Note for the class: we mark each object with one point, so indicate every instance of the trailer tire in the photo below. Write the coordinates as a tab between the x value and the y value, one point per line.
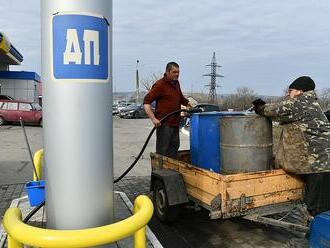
163	211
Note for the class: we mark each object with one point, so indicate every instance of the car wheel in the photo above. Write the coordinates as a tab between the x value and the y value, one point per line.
2	121
163	211
40	123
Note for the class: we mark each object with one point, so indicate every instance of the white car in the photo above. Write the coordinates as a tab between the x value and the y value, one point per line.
118	107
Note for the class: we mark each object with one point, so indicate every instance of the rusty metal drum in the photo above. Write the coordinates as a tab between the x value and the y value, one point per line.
246	143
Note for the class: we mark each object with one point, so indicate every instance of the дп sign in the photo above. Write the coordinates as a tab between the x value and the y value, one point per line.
80	47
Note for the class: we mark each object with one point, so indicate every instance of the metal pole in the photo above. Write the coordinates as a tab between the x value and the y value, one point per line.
29	148
76	72
137	82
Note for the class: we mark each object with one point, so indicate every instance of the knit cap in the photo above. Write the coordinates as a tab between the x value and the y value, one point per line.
303	83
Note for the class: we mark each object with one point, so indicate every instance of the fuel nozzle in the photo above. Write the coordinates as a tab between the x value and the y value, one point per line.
251	109
196	110
193	110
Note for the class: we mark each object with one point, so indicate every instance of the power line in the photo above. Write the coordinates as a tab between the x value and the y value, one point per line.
213	83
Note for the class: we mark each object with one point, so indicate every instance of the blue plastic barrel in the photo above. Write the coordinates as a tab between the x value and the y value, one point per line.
320	231
205	139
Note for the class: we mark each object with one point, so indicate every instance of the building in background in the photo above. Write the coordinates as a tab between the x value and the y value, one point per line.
20	85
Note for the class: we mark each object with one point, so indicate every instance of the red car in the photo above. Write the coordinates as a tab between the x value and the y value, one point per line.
13	110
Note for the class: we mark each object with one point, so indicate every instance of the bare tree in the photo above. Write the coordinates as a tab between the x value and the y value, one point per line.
148	81
240	100
324	98
285	94
200	97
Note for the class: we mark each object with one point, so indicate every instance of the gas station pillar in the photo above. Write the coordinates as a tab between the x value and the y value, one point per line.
76	37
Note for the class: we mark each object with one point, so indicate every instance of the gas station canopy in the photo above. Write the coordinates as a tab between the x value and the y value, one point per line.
8	53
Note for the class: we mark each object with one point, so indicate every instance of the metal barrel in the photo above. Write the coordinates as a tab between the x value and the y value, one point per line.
246	143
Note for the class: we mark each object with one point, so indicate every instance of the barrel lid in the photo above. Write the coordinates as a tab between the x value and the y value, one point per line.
244	115
223	113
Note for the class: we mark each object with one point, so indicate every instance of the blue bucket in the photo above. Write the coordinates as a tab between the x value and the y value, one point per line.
36	192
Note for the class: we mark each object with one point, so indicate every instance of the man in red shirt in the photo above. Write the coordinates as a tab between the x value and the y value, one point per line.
167	94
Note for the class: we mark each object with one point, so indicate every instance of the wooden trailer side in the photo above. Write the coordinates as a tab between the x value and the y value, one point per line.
235	194
253	190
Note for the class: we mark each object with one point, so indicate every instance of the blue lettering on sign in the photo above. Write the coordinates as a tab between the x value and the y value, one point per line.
80	47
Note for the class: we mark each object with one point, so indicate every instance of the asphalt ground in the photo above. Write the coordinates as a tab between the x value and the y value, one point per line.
194	229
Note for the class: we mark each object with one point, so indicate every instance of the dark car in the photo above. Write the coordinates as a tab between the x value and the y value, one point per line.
6	97
133	111
14	110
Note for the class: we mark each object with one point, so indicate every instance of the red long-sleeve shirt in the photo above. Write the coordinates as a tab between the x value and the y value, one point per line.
168	97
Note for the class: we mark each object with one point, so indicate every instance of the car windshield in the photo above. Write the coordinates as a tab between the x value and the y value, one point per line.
36	106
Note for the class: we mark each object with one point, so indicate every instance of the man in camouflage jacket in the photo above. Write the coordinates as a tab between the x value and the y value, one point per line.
304	146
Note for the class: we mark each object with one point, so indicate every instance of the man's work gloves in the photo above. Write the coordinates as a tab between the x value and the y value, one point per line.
258	106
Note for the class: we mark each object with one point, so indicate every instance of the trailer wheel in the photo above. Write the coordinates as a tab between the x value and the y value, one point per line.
163	211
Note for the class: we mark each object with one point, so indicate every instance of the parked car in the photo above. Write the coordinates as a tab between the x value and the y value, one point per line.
13	110
117	107
115	110
134	111
6	97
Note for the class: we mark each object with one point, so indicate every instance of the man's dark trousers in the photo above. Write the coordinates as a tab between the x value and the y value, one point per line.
167	140
317	196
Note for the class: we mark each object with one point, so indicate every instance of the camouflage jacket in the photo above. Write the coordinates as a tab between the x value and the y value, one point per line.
304	145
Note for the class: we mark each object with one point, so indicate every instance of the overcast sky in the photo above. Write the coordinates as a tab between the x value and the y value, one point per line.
263	45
